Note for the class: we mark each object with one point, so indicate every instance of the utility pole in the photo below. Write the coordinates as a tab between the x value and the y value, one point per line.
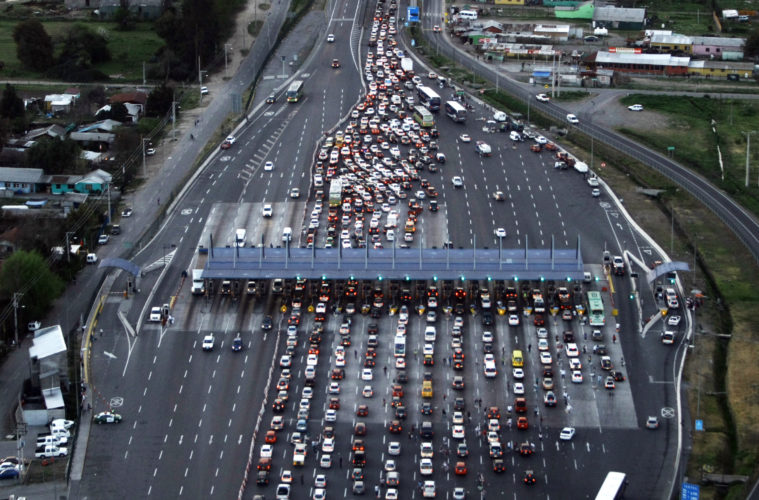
748	150
227	47
16	297
144	160
68	247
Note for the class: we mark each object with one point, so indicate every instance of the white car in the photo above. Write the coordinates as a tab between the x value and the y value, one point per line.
340	361
674	320
208	342
542	344
541	140
542	333
545	358
155	314
458	418
518	373
400	363
465	138
513	320
542	98
425	467
577	377
320	481
572	350
483	148
295	193
328	446
325	462
572	119
487	337
575	363
458	432
394	448
389	465
457	182
103	239
312	360
500	116
268	166
319	494
330	38
285	361
334	388
366	374
330	416
427	451
283	491
307	393
267	210
266	451
567	433
518	388
635	107
500	233
428	349
428	489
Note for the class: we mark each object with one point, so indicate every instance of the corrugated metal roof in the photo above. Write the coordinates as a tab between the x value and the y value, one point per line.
722	41
22	175
47	342
611	13
650	59
673	39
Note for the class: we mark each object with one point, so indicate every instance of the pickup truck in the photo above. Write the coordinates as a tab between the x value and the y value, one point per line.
49	451
55	440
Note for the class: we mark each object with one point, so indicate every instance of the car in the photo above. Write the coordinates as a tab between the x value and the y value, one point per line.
465	138
208	342
572	350
107	417
330	38
155	314
320	481
367	392
127	212
457	432
517	373
395	427
549	399
330	416
267	451
268	166
203	90
277	423
513	320
542	98
457	181
545	358
542	333
635	107
267	211
606	363
518	388
595	192
394	448
285	361
458	383
652	423
576	377
500	233
335	63
547	383
301	425
674	320
366	374
283	491
459	493
103	239
295	193
57	423
360	429
499	196
391	494
575	364
425	467
567	433
334	388
400	363
572	119
426	450
428	489
436	29
271	99
325	462
609	383
483	148
618	376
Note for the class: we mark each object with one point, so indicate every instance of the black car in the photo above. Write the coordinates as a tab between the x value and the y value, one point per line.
400	412
599	349
271	99
402	378
459	404
487	318
426	408
267	322
569	336
373	329
426	430
487	348
263	478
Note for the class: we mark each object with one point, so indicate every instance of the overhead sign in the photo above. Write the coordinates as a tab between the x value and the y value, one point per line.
412	14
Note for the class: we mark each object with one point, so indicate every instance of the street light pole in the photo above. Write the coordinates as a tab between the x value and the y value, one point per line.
16	297
748	150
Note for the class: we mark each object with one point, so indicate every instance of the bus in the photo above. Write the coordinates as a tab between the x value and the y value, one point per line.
423	117
613	487
595	309
428	97
400	346
295	91
455	111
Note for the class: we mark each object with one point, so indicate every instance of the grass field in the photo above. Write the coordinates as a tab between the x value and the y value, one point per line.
129	49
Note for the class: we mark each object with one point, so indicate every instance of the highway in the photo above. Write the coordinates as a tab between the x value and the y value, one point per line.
190	416
739	220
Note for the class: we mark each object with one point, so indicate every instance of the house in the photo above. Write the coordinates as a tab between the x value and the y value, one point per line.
619	18
491	26
638	63
21	180
674	42
96	182
717	47
8	241
56	131
43	401
554	32
61	103
509	2
722	69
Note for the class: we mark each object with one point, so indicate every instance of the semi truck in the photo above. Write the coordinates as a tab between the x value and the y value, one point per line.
407	65
198	285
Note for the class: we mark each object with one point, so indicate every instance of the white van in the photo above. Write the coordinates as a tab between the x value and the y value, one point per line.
490	369
240	237
514	136
287	234
430	333
470	15
92	258
318	180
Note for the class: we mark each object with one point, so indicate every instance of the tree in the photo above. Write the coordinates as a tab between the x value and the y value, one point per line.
34	47
54	156
751	47
123	17
12	109
159	101
82	49
28	272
